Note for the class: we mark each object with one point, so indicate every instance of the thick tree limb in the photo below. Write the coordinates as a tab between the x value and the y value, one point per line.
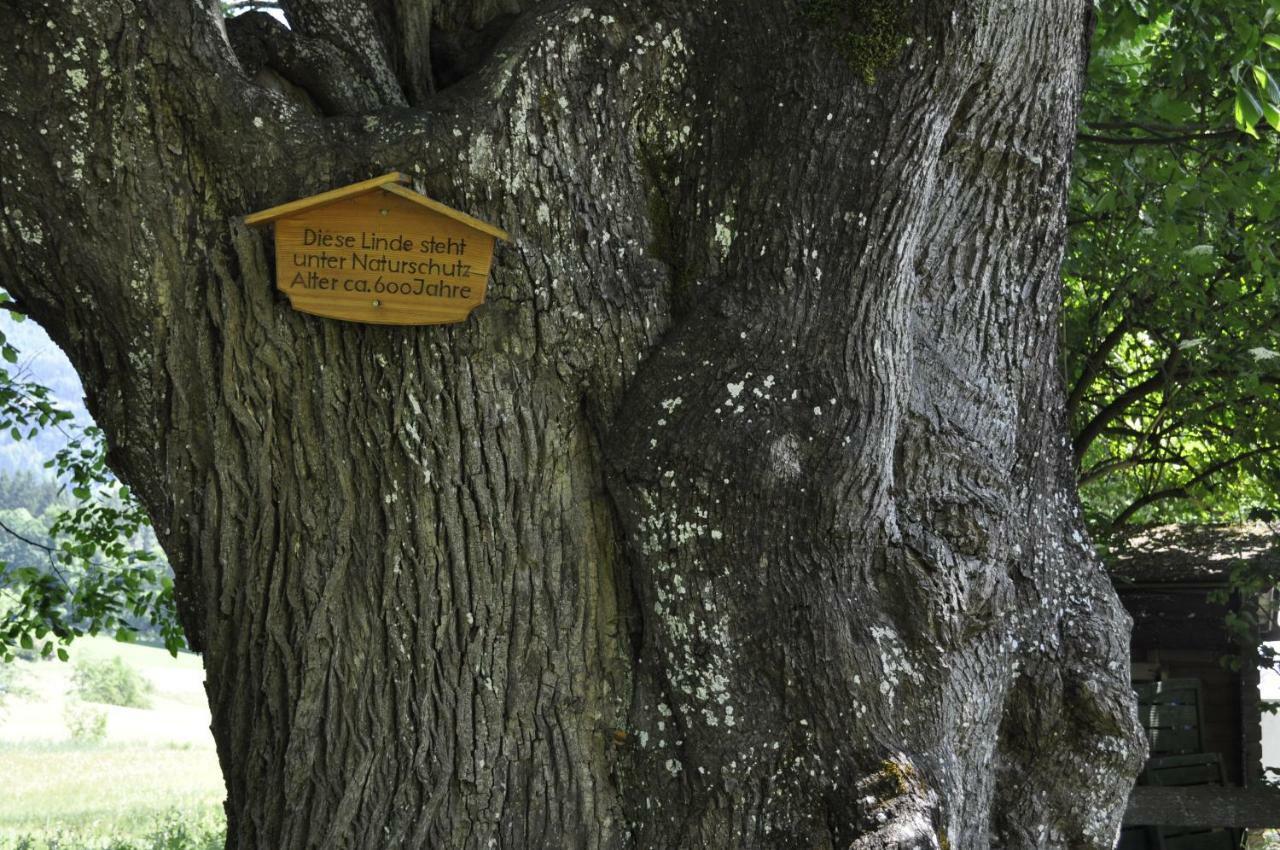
325	75
350	28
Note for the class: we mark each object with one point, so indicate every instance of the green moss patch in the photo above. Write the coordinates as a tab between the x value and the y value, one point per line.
870	34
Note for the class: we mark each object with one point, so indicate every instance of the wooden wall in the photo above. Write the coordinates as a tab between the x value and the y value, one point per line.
1221	728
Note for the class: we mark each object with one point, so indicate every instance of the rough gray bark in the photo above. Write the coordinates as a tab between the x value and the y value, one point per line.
741	516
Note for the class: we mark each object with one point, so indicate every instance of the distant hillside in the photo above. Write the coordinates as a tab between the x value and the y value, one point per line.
40	360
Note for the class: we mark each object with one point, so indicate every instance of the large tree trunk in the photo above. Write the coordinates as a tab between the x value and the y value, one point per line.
741	516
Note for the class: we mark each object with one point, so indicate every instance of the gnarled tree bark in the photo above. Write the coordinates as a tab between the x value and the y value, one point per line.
741	516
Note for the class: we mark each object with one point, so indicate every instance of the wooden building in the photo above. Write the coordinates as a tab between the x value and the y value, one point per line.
1197	681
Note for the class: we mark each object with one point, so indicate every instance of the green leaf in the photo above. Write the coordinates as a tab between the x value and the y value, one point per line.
1266	85
1271	112
1247	111
1273	40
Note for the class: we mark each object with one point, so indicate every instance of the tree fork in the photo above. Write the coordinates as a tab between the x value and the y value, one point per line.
754	531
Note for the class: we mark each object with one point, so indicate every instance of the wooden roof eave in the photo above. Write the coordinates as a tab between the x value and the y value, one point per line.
391	183
267	215
436	206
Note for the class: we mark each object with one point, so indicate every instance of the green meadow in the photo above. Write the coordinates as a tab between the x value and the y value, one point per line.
86	775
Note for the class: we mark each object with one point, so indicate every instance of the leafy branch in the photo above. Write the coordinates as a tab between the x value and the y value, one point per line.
97	570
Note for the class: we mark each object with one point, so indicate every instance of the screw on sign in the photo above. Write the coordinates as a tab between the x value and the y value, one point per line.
379	252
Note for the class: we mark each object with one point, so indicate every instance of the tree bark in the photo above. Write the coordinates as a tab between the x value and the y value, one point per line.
741	516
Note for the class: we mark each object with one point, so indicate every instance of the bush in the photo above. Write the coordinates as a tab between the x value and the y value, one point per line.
178	832
112	682
86	724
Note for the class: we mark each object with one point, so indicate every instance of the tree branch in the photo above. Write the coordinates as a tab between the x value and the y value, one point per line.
1160	133
1154	140
1108	467
1150	126
12	533
1120	404
1094	364
1183	490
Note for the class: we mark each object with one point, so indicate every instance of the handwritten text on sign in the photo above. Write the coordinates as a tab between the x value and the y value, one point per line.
381	258
351	254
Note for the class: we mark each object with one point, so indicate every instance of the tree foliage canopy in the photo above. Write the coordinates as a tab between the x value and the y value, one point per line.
1172	298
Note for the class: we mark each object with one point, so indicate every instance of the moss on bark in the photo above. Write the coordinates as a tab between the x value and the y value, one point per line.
870	34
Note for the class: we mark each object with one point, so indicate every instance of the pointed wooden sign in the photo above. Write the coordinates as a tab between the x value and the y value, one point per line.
379	252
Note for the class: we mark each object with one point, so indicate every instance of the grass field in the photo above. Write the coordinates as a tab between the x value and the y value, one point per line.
152	782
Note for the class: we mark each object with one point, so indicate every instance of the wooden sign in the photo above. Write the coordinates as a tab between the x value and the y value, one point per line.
379	252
